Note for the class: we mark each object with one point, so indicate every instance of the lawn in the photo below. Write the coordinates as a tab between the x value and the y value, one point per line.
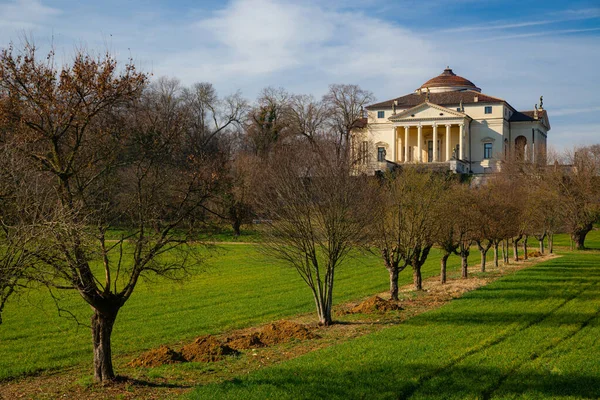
533	334
238	287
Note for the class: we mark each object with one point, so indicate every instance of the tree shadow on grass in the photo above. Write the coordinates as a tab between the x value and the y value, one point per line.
120	379
401	380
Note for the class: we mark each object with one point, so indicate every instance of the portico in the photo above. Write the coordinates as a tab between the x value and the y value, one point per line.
421	137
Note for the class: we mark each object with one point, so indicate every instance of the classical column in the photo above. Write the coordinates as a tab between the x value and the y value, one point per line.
406	158
435	144
419	143
395	136
447	138
461	142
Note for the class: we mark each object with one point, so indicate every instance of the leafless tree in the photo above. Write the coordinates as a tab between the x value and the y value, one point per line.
346	104
579	188
315	212
405	222
109	153
210	117
446	218
307	117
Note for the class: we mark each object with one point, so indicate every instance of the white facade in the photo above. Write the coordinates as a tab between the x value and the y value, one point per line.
449	123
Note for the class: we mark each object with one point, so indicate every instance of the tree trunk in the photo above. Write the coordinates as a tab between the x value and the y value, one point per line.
236	225
525	257
443	263
550	242
464	265
483	259
393	283
516	249
579	235
102	325
496	254
417	278
542	246
323	310
504	252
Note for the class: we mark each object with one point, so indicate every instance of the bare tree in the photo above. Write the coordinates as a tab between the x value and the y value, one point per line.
18	218
210	117
405	222
236	200
307	117
446	218
315	213
579	189
465	226
346	104
110	156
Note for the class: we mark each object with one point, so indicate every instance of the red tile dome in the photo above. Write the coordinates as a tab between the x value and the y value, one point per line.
448	81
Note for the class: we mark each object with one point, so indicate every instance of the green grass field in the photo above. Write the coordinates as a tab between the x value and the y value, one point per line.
238	287
533	334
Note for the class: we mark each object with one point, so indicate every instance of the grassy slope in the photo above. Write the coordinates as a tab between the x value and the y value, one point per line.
238	288
533	334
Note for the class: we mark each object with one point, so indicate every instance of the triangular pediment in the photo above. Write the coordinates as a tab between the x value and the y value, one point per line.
427	111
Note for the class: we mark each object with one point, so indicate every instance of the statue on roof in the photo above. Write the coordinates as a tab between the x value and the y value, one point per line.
535	112
461	107
427	95
541	102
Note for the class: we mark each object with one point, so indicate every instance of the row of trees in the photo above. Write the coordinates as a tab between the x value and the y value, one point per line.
90	146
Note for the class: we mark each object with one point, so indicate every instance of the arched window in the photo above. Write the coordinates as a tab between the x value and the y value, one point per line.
520	147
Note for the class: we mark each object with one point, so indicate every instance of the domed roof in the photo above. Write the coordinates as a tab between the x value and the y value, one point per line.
448	81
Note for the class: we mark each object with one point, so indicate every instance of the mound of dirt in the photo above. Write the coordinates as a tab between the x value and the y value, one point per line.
375	305
156	357
205	349
534	254
283	331
245	342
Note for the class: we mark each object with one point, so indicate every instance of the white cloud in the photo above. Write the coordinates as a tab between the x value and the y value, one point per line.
24	14
268	42
306	45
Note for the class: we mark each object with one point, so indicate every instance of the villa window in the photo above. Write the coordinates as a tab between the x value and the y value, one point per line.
381	154
487	151
380	114
488	109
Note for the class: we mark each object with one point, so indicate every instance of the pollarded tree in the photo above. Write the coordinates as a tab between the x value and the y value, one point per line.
483	223
465	226
446	219
404	227
579	189
315	211
111	154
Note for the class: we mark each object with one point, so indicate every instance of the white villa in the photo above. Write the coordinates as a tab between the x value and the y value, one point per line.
449	123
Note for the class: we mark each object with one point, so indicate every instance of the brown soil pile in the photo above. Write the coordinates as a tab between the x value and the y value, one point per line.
156	357
245	342
284	331
534	254
375	304
205	349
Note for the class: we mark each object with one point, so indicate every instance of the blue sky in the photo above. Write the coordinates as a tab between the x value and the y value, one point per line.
516	50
